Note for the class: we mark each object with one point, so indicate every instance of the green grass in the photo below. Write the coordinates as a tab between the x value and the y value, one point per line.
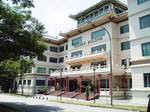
121	107
4	108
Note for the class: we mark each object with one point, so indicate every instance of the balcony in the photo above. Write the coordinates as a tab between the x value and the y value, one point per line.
101	55
81	71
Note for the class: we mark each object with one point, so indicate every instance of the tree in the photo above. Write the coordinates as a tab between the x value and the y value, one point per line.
8	70
25	67
20	34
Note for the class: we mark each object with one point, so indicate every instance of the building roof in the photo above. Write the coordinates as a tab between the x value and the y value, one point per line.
101	3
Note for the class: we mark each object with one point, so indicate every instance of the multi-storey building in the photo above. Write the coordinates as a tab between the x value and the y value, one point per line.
84	53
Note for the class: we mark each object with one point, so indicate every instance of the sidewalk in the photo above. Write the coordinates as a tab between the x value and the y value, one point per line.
133	102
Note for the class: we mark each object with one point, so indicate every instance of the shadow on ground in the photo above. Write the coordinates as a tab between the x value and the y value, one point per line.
22	107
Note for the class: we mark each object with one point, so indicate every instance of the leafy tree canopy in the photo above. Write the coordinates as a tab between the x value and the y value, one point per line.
20	33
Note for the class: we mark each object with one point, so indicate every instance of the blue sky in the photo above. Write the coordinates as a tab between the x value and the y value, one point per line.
54	13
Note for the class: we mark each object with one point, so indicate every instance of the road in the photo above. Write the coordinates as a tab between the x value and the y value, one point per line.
34	105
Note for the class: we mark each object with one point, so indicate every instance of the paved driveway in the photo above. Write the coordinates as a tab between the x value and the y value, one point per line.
33	105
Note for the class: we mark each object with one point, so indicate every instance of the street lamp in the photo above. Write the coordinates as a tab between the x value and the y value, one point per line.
94	81
110	59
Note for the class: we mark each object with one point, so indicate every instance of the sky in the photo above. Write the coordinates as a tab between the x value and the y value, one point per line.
54	14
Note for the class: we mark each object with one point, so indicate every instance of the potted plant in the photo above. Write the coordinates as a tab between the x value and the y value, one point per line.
45	90
87	91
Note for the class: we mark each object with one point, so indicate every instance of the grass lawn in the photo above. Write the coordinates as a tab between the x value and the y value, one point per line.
4	108
122	107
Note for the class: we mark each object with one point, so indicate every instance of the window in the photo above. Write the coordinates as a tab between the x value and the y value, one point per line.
87	17
97	35
51	70
77	41
41	70
106	8
99	48
146	79
117	10
61	49
40	82
96	13
42	58
61	59
124	62
124	29
20	82
76	54
91	15
144	21
100	11
83	19
125	45
53	49
29	82
66	46
24	82
142	1
146	49
53	60
104	83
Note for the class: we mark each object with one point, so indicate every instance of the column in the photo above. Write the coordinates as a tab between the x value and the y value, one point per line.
110	83
81	79
55	83
99	84
67	84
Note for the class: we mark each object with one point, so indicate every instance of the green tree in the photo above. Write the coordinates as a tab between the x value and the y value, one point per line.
20	33
8	70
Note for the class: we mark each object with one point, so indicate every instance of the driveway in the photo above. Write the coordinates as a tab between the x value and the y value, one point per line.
34	105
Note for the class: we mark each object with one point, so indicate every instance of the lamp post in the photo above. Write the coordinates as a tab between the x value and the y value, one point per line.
94	81
110	59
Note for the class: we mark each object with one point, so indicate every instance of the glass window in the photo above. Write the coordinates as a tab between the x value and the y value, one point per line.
77	41
144	21
104	83
41	70
106	8
66	46
124	62
29	82
97	35
91	15
100	11
53	60
51	70
146	49
125	45
61	49
40	82
87	17
96	13
99	48
83	19
146	79
117	10
124	29
42	58
142	1
61	59
53	49
76	54
24	82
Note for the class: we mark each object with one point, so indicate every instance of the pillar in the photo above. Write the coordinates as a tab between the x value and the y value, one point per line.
55	84
67	84
110	83
81	79
98	84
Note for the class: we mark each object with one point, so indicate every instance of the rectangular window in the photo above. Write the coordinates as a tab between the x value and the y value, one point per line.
53	60
146	49
124	29
53	49
77	41
97	35
61	49
41	70
100	11
66	46
76	54
124	62
42	58
142	1
24	82
146	79
106	8
51	70
61	59
40	82
96	13
29	82
144	21
104	83
91	15
98	49
125	45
